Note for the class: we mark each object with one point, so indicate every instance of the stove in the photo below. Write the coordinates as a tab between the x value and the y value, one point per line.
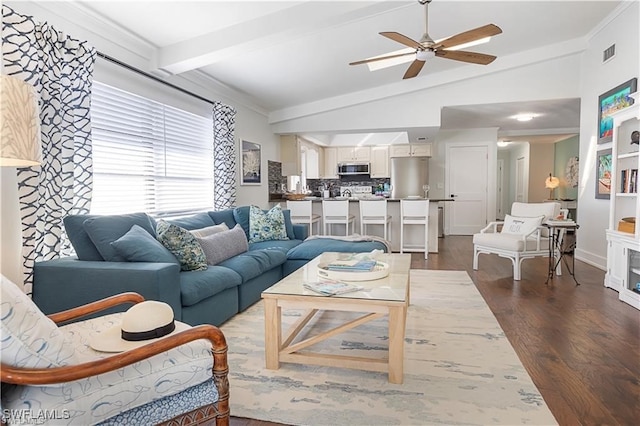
355	191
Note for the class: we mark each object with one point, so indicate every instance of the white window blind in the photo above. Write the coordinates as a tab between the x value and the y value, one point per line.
148	157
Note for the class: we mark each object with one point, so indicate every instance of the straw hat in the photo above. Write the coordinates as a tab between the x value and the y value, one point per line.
143	323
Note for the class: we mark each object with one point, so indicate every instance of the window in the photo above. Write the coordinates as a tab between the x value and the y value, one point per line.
149	157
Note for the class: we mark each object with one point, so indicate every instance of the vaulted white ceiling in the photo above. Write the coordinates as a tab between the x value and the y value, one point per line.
283	54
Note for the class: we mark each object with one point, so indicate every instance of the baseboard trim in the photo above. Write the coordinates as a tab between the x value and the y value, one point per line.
589	258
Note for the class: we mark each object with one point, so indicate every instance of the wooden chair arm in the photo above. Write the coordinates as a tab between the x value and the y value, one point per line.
45	376
96	306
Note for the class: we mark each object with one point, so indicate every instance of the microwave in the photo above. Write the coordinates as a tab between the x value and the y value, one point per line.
353	168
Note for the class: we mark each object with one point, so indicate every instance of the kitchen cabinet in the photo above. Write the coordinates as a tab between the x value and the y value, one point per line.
380	162
330	163
354	153
290	155
623	254
411	150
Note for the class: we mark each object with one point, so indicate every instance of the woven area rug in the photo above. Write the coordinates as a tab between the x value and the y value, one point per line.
459	367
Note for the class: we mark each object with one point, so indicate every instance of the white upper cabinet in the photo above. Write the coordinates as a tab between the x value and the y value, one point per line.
411	150
380	162
354	153
330	163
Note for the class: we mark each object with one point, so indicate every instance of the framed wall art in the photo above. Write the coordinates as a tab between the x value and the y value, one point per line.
603	174
250	171
610	102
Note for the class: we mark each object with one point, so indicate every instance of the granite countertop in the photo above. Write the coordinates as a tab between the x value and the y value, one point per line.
318	199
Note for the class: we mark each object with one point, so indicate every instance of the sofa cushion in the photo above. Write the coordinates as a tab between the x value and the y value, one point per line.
224	216
310	249
510	242
253	263
80	240
199	285
284	245
138	245
196	221
266	226
209	230
224	245
183	245
241	216
28	338
103	230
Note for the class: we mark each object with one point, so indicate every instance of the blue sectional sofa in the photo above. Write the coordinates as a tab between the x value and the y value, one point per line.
209	296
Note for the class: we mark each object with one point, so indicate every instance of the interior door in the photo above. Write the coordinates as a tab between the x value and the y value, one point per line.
467	171
500	192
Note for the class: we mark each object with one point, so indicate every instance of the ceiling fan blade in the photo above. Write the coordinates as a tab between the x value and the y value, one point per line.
469	36
402	39
414	69
461	55
381	58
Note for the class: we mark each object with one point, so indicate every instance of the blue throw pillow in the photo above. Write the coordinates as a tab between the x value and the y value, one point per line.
184	246
138	245
82	244
103	230
266	226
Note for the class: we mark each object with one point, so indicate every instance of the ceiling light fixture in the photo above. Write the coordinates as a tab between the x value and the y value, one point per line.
502	144
524	117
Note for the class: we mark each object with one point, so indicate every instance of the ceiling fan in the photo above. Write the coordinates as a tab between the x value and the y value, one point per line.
427	48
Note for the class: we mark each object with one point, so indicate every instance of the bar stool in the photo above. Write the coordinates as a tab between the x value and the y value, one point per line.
302	213
336	212
374	212
414	212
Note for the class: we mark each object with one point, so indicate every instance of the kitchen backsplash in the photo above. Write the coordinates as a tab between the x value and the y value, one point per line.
275	178
314	184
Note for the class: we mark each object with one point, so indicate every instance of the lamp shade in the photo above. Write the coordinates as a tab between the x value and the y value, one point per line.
19	124
551	182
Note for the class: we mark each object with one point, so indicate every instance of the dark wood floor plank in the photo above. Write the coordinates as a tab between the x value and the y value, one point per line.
580	344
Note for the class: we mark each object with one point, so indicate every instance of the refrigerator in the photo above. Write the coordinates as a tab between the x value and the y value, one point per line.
408	176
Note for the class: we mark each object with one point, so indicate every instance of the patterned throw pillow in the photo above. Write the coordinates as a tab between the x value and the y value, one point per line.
520	225
183	244
30	339
266	226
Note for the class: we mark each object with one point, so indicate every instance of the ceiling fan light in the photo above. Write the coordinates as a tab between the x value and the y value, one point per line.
423	55
524	117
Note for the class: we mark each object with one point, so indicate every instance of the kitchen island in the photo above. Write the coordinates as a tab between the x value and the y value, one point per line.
393	209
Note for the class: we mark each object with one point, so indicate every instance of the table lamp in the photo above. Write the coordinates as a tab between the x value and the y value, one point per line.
551	183
19	147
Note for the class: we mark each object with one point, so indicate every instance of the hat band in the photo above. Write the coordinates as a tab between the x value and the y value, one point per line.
151	334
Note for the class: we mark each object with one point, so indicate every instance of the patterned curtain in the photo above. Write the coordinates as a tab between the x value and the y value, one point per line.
61	69
224	154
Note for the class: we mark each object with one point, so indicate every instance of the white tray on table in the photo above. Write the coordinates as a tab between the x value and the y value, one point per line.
381	270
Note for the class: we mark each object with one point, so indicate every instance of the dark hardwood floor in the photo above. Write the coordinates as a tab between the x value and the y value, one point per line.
580	344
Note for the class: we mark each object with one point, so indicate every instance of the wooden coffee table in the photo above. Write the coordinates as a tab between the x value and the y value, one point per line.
386	296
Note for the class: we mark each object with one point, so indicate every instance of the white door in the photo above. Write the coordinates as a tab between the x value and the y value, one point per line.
521	187
467	171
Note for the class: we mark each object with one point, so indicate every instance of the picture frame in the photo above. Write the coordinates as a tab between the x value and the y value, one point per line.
611	101
250	163
603	173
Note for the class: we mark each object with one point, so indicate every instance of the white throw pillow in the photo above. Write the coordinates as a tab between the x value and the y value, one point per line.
30	339
209	230
520	225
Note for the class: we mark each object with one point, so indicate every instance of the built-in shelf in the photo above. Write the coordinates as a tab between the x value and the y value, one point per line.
628	155
635	270
626	194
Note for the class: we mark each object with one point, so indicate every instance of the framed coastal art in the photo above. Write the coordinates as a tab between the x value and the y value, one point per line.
250	164
610	102
603	174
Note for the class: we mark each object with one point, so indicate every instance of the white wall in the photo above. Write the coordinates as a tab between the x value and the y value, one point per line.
596	78
540	165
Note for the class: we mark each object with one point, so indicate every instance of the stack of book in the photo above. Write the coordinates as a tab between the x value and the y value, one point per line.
332	288
352	265
629	181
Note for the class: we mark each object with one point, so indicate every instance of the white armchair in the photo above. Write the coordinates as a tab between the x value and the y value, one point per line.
520	237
